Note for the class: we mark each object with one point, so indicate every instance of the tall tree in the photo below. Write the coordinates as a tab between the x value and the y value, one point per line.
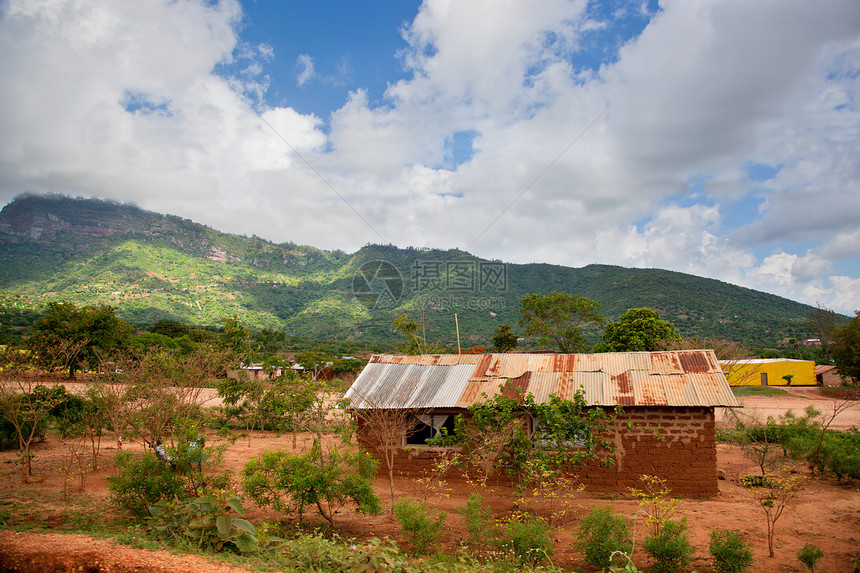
822	322
91	331
504	339
640	329
558	317
845	348
409	329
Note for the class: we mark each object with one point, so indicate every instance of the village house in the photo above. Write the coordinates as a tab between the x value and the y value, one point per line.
770	372
667	428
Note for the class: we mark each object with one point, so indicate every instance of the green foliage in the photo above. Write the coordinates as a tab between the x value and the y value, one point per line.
731	552
601	533
95	330
809	555
504	339
408	329
142	483
845	348
557	318
670	548
530	540
290	482
496	437
212	521
640	329
421	529
479	520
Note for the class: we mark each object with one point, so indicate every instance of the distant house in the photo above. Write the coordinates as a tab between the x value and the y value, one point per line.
770	372
668	398
256	372
827	375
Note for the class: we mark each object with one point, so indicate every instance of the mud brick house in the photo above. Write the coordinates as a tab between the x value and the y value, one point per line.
668	399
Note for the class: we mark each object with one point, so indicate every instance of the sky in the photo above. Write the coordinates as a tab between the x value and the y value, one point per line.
717	138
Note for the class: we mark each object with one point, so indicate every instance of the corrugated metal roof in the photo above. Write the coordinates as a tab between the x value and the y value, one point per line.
677	378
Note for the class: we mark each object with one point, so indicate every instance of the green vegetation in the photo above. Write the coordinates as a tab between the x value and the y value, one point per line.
809	555
602	533
421	529
741	391
730	551
669	548
640	329
558	317
152	267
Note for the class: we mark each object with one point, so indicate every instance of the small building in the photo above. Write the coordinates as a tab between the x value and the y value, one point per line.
667	427
828	375
770	372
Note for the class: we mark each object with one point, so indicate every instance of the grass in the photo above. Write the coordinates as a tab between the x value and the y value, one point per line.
740	391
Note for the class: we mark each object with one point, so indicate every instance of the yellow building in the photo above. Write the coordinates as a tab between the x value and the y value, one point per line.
769	372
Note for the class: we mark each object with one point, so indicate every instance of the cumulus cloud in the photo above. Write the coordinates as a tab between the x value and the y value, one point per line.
638	161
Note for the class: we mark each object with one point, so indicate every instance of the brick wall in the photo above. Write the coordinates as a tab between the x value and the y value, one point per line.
676	444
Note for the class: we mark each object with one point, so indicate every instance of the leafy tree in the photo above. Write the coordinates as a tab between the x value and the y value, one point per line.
640	329
563	434
326	480
171	328
504	339
88	330
315	360
234	339
845	349
24	403
822	322
557	317
268	342
409	329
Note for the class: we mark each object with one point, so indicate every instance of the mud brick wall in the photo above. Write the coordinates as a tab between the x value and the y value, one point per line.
676	444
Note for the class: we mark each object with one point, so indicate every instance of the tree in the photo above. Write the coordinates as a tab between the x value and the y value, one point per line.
24	403
822	322
268	342
171	328
557	317
774	495
640	329
234	339
89	330
845	348
314	360
504	339
409	329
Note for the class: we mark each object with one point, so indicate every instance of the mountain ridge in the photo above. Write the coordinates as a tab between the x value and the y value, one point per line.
151	266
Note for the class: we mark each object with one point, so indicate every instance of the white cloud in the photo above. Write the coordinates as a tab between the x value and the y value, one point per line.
305	65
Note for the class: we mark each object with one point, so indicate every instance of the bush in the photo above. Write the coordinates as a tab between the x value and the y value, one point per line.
326	481
530	540
143	483
208	522
809	555
669	548
601	533
479	520
730	551
421	529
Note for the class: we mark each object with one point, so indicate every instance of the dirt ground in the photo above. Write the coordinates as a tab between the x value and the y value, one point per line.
827	512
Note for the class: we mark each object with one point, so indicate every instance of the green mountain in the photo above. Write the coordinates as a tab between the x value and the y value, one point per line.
152	266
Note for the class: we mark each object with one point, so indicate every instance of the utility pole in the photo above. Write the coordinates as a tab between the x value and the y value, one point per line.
457	323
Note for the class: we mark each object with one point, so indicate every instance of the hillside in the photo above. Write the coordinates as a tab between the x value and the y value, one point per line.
152	266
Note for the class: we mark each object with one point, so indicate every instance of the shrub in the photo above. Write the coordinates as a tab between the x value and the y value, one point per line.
809	555
601	533
669	548
730	551
421	529
479	520
529	540
327	481
208	522
142	483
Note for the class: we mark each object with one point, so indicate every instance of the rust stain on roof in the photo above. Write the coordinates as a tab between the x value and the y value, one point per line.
675	378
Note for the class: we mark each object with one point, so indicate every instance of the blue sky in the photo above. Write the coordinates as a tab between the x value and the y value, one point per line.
717	138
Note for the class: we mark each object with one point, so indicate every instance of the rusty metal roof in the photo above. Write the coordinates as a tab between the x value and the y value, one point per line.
674	378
